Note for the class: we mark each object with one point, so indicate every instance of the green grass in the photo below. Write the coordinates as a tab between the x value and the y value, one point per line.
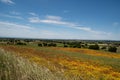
13	67
101	60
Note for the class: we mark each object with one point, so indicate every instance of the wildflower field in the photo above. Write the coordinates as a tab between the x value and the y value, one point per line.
57	63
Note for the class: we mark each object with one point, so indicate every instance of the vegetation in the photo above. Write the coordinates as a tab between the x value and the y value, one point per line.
104	48
95	47
112	49
90	44
32	59
13	67
20	43
40	45
62	63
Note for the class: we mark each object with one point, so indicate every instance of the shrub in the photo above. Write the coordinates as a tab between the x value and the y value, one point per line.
104	47
40	45
78	45
20	43
52	45
45	44
112	49
65	45
95	47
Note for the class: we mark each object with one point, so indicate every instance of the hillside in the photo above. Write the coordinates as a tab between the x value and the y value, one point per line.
61	63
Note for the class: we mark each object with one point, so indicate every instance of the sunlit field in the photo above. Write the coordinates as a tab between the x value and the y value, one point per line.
59	39
57	63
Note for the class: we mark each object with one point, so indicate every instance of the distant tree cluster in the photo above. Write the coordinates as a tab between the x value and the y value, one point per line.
52	45
94	47
40	45
20	43
107	45
47	44
72	44
112	49
65	45
104	48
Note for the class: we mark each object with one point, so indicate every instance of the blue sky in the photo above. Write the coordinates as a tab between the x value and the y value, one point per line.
60	19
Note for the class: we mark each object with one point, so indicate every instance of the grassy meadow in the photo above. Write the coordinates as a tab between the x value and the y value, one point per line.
57	63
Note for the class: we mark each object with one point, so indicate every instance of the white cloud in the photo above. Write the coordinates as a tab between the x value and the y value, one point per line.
14	13
33	14
7	1
14	25
11	16
9	29
34	20
58	20
83	28
92	31
48	21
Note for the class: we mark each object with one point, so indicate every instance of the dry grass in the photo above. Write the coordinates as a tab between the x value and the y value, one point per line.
72	64
13	67
91	52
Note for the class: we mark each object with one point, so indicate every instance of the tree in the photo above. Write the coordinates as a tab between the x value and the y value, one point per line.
40	45
52	45
65	45
86	44
78	45
95	47
20	43
112	49
45	44
104	47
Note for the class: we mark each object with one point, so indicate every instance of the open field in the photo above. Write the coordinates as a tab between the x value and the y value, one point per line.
13	67
59	39
66	63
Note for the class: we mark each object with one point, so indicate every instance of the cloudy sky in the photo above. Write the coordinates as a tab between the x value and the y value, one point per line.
60	19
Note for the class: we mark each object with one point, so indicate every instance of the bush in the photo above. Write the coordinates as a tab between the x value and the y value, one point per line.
104	47
52	45
65	45
40	45
95	47
20	43
78	45
45	44
112	49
